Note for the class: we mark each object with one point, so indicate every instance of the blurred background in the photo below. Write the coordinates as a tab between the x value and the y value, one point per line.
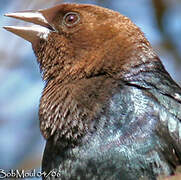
21	144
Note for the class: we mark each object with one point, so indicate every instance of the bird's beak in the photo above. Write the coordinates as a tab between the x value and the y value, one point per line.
35	32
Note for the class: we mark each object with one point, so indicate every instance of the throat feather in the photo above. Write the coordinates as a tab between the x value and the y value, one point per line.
72	110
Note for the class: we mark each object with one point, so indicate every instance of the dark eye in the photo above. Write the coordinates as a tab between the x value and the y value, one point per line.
70	19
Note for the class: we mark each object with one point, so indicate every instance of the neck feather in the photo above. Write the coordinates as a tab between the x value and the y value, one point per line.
70	110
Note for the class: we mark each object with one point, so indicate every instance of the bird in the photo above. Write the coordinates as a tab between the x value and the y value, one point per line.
109	109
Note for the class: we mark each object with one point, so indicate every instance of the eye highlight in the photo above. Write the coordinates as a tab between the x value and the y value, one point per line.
71	18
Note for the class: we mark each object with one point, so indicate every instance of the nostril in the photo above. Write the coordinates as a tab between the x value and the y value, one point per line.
49	27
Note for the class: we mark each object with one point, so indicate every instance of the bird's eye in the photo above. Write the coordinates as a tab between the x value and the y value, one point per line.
70	19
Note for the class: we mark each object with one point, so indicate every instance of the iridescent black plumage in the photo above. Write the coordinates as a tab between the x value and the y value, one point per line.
137	133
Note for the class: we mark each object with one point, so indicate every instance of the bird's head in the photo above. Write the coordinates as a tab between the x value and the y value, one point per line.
74	41
77	46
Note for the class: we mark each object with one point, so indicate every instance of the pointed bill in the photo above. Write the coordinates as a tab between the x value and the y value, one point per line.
31	16
31	34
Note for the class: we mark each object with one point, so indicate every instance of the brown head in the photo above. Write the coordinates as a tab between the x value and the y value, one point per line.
78	42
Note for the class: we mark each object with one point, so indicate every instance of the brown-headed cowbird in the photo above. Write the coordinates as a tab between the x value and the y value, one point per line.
109	110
